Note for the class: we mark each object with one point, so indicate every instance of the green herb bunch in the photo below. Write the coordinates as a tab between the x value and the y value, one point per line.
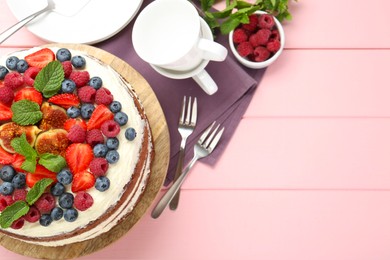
237	12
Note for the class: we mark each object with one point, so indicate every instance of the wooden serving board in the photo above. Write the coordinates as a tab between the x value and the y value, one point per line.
159	167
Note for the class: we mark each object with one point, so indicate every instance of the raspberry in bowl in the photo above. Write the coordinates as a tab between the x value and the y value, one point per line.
258	43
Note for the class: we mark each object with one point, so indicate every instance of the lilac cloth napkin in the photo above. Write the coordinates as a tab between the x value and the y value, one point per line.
236	86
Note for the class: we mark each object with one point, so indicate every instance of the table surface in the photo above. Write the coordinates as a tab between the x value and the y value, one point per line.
307	173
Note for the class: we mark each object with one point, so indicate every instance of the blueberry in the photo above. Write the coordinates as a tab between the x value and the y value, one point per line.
45	220
66	200
19	181
78	62
7	173
86	110
71	215
68	86
121	118
112	143
11	62
57	189
115	106
57	213
3	71
6	188
130	134
102	183
100	150
63	54
65	176
112	156
96	82
73	112
21	66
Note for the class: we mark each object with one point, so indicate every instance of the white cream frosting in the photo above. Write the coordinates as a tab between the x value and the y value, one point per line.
119	173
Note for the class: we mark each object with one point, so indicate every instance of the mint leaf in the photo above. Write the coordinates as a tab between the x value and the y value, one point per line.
37	190
52	162
29	165
49	79
12	213
21	146
26	112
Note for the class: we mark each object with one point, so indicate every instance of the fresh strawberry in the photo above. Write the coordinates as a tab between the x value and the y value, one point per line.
99	116
5	112
17	162
5	157
78	157
83	181
40	58
29	93
40	173
65	100
74	121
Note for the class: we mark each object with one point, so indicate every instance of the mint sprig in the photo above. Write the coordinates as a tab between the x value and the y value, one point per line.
49	79
37	190
52	162
21	146
26	112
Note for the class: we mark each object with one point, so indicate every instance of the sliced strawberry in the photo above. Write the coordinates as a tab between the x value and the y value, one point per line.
78	157
40	58
29	93
100	115
83	181
40	173
17	163
74	121
5	157
65	100
5	112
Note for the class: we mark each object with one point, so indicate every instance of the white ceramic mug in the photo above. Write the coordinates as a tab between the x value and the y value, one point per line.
170	35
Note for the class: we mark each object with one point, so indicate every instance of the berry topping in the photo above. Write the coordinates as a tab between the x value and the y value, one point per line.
78	62
100	150
33	215
81	78
110	128
99	116
87	110
57	189
74	121
66	200
112	156
39	174
121	118
19	194
266	21
73	112
5	114
78	156
5	157
98	167
102	183
67	67
65	177
71	215
19	181
7	173
112	143
239	36
18	224
13	80
30	94
86	94
130	134
45	220
94	137
45	203
63	54
115	106
21	66
77	134
103	96
30	74
56	213
83	201
6	95
5	201
6	188
3	71
96	82
65	100
83	181
11	62
40	58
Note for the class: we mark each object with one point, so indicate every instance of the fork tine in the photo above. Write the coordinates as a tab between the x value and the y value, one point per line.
206	133
194	113
183	111
188	112
210	137
216	140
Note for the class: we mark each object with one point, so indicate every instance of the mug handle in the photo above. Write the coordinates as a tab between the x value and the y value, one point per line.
212	50
205	81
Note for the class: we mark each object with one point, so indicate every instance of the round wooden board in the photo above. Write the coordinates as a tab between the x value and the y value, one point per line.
159	167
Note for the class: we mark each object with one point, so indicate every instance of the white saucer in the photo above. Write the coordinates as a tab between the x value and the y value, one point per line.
95	21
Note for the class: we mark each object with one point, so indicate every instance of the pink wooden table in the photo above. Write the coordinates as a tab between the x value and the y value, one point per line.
315	180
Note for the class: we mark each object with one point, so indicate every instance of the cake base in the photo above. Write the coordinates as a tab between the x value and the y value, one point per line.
160	163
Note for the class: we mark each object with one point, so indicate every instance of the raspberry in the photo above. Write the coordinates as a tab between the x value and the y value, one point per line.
273	46
266	21
252	25
239	36
67	66
45	203
98	166
30	74
76	134
13	80
275	35
81	78
32	215
261	54
263	36
94	137
19	194
6	95
18	224
245	49
103	96
255	40
86	94
110	128
83	201
5	200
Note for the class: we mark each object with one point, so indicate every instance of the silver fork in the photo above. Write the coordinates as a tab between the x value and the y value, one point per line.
205	146
187	124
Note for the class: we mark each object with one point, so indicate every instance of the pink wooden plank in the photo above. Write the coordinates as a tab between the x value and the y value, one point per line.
325	83
301	153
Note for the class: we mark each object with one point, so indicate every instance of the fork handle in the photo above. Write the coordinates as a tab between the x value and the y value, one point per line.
168	196
179	168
